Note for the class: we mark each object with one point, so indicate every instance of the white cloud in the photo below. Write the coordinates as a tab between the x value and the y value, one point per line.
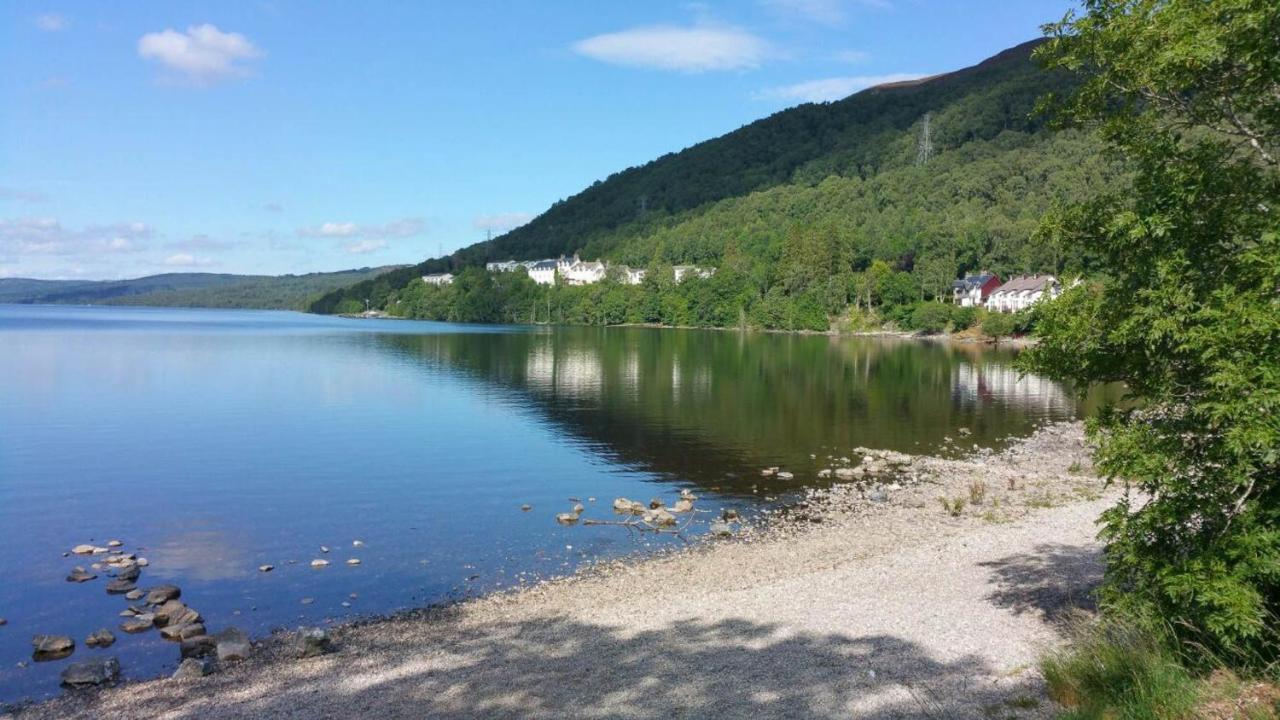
396	229
51	22
47	236
202	55
687	49
829	89
501	222
188	260
366	246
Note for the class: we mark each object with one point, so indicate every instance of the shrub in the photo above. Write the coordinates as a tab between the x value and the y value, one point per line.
930	317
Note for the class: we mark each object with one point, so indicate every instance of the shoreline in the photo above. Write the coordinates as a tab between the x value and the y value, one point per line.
856	600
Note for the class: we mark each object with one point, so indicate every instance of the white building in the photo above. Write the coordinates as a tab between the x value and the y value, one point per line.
630	275
504	266
438	279
543	272
583	273
1022	292
973	290
683	271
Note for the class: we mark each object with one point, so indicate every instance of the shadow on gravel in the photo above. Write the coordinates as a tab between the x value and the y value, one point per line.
564	669
1052	580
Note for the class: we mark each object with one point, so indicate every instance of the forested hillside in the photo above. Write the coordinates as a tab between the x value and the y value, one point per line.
213	290
805	212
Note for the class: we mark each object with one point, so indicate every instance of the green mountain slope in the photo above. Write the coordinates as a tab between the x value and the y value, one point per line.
214	290
844	181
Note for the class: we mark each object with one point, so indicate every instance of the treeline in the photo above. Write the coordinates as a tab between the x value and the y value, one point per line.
850	164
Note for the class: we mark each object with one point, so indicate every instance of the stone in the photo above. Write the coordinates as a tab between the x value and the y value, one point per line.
198	646
266	568
143	562
129	572
319	563
824	473
660	517
185	631
526	507
721	529
134	594
114	543
353	561
163	593
52	647
623	505
233	644
3	622
567	518
310	642
324	549
79	575
100	638
682	505
307	600
784	475
357	543
729	515
878	495
86	550
120	587
175	613
192	668
138	623
87	673
846	473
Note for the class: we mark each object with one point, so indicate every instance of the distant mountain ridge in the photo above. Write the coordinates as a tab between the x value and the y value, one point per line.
213	290
986	110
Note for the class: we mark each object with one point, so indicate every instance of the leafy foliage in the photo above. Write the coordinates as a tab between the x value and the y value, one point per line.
1188	316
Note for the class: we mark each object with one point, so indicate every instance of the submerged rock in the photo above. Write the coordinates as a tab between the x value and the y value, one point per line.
660	517
185	631
79	575
319	563
526	507
232	644
266	568
682	505
353	561
87	673
567	518
174	612
310	642
114	543
197	647
623	505
120	587
100	638
138	623
88	550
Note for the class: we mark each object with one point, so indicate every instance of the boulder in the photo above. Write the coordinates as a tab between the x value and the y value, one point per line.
79	575
185	631
134	594
129	572
100	638
87	550
194	667
567	518
623	505
114	543
660	517
120	587
162	594
319	563
52	647
310	642
784	475
138	623
198	646
87	673
232	644
175	613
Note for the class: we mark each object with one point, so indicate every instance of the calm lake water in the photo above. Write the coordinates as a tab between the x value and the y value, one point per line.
212	442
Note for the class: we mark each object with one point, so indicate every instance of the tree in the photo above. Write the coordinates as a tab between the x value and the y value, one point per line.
998	325
1188	317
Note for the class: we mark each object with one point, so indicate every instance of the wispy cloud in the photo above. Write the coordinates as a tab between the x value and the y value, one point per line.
829	89
396	229
365	246
47	236
825	12
692	49
51	22
202	55
501	222
188	260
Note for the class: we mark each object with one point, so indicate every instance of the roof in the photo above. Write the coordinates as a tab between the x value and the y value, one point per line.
971	282
543	265
1027	282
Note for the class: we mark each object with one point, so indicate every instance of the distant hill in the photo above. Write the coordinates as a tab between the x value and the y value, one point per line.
211	290
852	166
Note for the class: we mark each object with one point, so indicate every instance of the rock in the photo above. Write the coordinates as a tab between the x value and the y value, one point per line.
824	473
100	638
138	623
185	631
660	517
768	472
846	473
785	476
353	561
194	667
129	572
307	600
324	549
682	505
79	575
162	594
656	503
729	515
878	495
143	562
174	612
198	647
87	550
357	543
310	642
687	494
3	622
578	509
526	507
266	568
233	644
52	647
114	543
567	518
120	587
720	528
319	563
87	673
623	505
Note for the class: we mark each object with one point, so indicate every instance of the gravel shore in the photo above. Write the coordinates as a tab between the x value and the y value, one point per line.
859	603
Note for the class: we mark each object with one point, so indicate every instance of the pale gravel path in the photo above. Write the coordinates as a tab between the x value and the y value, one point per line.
882	611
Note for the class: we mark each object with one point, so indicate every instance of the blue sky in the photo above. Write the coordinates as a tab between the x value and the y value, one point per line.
274	137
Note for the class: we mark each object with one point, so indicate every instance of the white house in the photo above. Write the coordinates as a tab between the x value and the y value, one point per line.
583	273
630	275
438	279
1022	292
543	272
973	290
504	266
